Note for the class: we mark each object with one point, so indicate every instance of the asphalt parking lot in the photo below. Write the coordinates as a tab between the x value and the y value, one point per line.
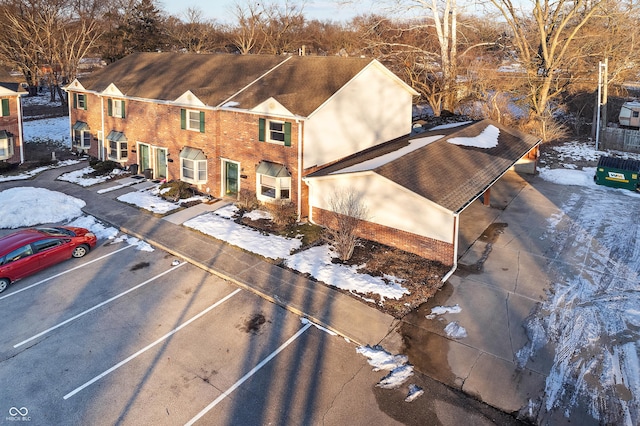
126	336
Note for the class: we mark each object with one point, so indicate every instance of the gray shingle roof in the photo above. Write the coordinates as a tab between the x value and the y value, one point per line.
301	84
448	174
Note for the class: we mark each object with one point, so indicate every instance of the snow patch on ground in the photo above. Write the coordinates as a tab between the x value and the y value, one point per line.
400	370
441	310
455	330
43	206
316	261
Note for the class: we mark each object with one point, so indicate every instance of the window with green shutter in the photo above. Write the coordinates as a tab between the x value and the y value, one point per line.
5	107
275	131
79	101
115	108
192	120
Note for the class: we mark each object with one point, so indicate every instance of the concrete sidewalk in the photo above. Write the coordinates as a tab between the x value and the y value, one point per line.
330	308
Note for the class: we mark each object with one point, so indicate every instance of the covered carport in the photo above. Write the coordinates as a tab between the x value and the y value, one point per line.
439	185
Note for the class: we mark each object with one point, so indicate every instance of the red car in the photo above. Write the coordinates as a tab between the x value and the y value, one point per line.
31	250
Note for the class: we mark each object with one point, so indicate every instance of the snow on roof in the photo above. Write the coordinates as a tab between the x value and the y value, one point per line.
450	125
487	139
374	163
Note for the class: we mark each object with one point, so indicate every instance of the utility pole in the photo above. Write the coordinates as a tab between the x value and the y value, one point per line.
602	99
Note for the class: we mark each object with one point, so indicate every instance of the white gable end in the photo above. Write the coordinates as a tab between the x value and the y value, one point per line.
188	98
372	108
271	106
112	90
7	92
75	85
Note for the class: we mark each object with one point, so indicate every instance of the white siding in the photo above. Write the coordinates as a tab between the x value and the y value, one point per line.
371	109
388	204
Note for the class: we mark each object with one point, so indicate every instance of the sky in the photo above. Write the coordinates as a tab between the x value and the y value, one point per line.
591	325
323	10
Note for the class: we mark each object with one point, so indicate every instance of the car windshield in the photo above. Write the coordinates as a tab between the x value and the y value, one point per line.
57	231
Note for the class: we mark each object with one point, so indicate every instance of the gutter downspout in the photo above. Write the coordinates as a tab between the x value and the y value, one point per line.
20	132
456	221
299	183
101	142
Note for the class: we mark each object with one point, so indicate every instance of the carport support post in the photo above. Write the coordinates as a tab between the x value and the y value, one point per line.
486	197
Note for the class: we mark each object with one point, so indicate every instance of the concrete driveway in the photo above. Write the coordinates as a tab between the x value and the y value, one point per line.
499	329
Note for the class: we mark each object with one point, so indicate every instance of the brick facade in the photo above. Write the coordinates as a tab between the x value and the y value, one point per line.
412	243
228	135
12	124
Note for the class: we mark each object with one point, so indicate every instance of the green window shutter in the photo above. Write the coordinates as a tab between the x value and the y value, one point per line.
261	126
110	107
86	101
123	114
183	118
201	121
287	133
75	101
5	107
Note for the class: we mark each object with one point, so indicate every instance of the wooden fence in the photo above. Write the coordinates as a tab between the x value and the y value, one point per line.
620	139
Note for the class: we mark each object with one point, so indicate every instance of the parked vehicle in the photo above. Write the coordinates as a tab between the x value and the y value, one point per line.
28	251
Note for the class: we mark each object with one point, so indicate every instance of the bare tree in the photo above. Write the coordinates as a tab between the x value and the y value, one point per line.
47	39
347	213
244	35
542	37
424	50
281	26
194	33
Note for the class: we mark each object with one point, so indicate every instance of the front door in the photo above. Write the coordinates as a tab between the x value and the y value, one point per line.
161	163
231	179
144	157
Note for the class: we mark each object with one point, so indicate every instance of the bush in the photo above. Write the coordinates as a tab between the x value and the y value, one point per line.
101	168
175	190
247	200
6	167
284	212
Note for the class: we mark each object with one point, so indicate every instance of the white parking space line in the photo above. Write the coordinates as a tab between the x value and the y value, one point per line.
244	378
151	345
97	306
64	272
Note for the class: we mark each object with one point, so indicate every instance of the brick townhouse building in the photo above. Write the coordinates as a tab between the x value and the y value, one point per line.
230	122
297	128
11	148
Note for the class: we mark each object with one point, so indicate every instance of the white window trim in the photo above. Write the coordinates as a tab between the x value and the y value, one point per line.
199	166
81	145
281	183
188	120
8	147
117	108
82	101
119	150
268	131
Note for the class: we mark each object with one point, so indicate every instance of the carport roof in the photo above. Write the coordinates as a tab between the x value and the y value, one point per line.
431	165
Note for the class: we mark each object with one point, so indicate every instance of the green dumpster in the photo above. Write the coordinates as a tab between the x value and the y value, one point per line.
617	173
